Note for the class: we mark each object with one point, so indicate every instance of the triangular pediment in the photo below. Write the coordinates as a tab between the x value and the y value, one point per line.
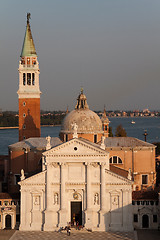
114	178
76	147
37	179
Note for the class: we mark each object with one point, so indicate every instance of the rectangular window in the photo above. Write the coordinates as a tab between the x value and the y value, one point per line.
17	178
105	128
28	61
28	78
144	179
0	218
135	217
114	159
33	82
0	202
95	138
66	137
154	218
24	79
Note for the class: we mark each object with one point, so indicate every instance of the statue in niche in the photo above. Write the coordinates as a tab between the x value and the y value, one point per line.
96	199
56	198
36	200
115	200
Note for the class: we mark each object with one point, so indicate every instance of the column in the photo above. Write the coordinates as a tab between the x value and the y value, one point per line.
49	214
63	211
102	197
88	212
89	196
22	210
63	199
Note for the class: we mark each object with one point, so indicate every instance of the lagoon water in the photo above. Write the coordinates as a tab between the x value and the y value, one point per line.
151	124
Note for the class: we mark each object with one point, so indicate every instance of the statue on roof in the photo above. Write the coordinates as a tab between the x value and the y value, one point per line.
75	128
28	17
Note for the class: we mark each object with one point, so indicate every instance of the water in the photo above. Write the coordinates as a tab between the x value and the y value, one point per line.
152	125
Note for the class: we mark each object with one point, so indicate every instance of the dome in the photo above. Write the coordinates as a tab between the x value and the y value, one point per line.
86	120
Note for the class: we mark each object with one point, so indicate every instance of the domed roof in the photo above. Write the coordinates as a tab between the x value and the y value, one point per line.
86	120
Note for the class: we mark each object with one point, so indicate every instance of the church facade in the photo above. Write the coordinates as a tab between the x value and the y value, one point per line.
76	185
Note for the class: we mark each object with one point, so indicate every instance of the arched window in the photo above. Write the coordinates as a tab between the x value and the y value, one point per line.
28	78
33	80
24	79
115	160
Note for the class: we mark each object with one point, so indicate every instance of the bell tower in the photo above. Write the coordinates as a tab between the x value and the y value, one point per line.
29	91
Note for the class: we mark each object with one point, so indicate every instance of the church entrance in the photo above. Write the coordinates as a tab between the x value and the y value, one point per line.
76	213
8	222
145	221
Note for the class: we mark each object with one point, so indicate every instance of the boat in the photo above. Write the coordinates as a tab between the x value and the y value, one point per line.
133	122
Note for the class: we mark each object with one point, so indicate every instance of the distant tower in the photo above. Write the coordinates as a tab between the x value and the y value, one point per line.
29	91
105	123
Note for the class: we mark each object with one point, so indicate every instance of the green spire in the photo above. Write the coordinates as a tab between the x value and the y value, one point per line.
28	48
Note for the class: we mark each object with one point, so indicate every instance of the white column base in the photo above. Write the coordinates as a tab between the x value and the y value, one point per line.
50	220
89	218
62	218
102	225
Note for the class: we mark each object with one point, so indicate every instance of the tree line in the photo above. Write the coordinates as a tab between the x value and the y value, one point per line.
10	119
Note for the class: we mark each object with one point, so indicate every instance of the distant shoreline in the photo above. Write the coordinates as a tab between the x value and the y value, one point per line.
3	128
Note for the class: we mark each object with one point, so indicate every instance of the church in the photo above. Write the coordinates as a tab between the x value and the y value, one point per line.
83	176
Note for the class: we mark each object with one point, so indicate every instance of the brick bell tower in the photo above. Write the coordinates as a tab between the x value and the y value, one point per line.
29	91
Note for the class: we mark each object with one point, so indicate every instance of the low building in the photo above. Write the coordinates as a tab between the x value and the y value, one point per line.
136	155
9	211
146	209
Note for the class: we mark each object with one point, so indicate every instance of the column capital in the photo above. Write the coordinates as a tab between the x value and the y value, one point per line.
62	164
103	164
88	163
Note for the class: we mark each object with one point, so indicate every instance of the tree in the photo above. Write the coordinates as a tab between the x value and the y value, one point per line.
120	131
110	132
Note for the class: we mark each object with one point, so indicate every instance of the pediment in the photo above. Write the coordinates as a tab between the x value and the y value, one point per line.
115	179
77	147
37	179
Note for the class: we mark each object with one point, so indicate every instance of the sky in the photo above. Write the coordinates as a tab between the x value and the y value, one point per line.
111	48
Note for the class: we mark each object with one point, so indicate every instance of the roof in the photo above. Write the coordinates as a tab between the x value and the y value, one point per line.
119	171
38	143
130	142
86	120
145	195
28	48
9	196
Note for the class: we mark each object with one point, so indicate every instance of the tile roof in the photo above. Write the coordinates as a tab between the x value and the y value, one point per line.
130	142
34	143
9	195
119	171
145	195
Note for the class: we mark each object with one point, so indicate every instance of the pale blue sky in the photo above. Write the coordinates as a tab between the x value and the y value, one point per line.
110	47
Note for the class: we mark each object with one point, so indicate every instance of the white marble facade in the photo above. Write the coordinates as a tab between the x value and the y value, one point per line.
76	177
